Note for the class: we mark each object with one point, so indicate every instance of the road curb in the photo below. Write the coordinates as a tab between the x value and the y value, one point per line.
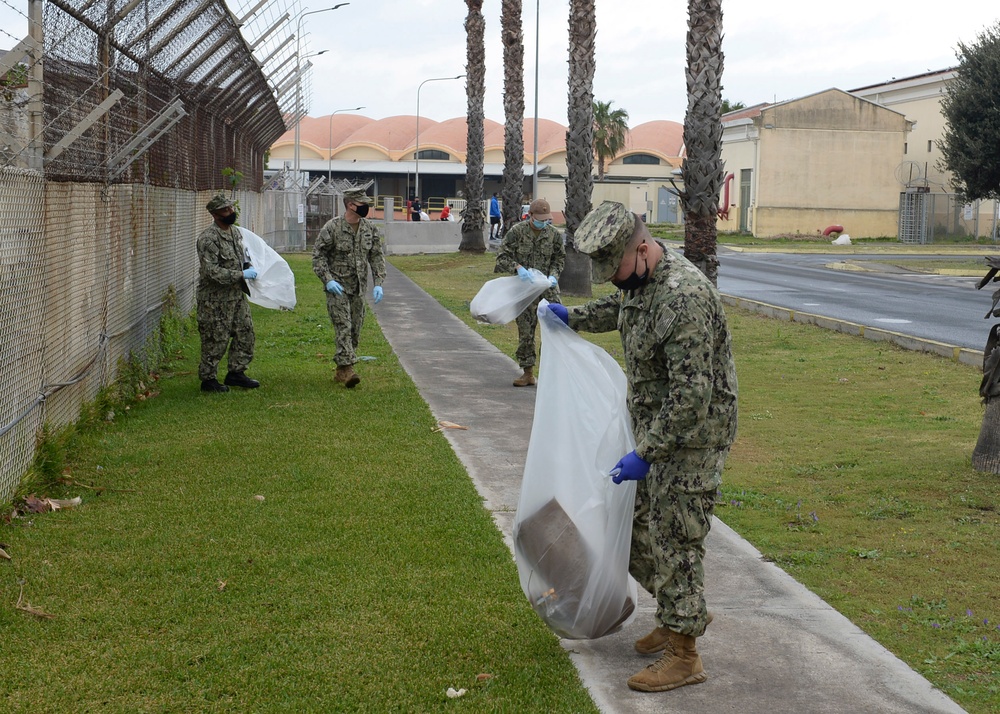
962	355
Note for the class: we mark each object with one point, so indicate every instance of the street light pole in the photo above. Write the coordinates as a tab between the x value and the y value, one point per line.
534	169
329	170
416	153
298	80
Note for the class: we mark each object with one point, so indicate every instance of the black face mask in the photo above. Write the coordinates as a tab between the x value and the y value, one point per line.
634	281
228	220
361	210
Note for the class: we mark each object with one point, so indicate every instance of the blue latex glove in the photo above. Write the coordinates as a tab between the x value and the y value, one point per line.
250	273
630	467
523	273
560	311
377	294
553	280
334	287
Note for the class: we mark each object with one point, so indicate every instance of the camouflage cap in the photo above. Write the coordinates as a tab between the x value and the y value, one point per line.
358	196
218	202
603	235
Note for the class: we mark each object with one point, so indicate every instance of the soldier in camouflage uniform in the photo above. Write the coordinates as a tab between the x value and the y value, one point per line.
532	243
223	310
344	250
682	400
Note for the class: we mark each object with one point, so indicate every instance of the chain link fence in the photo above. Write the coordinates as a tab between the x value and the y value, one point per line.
117	120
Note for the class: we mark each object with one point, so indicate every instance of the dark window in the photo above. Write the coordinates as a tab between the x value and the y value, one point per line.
434	154
641	159
904	147
930	145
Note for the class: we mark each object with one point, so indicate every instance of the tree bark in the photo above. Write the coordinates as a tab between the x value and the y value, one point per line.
473	238
513	104
579	140
986	455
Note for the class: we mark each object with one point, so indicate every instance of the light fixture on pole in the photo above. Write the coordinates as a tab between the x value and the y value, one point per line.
298	80
416	152
329	171
534	165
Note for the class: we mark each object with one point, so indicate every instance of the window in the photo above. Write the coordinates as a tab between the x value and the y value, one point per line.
930	144
641	159
905	146
434	154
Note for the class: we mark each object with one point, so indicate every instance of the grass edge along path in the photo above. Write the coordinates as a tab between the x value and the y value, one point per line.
852	472
300	547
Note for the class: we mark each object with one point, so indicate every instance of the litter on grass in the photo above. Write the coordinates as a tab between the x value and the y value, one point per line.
453	694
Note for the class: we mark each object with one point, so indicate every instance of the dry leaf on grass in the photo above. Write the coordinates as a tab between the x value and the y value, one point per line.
3	554
442	425
25	606
483	677
221	585
33	504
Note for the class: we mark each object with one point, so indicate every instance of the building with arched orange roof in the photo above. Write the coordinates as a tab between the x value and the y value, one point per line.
361	149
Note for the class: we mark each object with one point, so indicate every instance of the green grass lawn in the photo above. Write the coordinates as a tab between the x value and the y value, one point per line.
297	548
852	472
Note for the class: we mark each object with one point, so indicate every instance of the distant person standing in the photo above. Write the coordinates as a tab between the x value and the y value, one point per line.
346	247
445	213
494	218
223	309
533	243
415	209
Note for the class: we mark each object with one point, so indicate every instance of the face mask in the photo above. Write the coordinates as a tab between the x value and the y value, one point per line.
361	210
228	220
634	281
539	225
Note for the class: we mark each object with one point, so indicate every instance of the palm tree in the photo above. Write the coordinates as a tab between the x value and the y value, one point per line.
610	127
575	279
513	107
473	240
702	168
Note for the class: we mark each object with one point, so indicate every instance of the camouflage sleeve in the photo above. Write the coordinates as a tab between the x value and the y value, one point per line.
211	262
558	256
597	315
680	348
321	266
376	257
506	260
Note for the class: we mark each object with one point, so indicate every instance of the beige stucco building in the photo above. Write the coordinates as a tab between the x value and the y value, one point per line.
802	166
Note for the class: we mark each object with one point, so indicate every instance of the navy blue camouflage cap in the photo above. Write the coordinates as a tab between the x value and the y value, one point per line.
218	202
357	195
603	235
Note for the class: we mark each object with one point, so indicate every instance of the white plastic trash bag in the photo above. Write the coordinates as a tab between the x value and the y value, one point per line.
274	285
573	527
502	299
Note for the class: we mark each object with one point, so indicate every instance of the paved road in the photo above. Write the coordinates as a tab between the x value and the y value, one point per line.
935	307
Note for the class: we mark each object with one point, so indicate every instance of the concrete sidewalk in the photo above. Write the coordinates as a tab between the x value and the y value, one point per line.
774	647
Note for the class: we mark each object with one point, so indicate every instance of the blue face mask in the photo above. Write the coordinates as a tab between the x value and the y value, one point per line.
539	225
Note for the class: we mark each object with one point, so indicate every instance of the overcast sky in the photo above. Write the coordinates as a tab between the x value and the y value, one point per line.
379	51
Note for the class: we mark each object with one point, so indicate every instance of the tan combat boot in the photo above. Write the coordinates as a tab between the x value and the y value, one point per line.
347	376
658	638
680	664
525	380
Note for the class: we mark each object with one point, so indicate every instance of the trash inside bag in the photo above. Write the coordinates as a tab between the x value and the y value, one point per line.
502	299
573	527
274	285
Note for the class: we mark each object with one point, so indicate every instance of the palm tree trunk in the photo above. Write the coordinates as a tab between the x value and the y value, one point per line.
575	279
986	455
473	238
513	105
702	169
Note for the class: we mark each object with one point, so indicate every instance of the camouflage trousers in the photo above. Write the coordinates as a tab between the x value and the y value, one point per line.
673	515
223	324
526	322
347	313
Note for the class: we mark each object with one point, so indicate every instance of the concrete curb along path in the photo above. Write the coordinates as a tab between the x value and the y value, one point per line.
774	646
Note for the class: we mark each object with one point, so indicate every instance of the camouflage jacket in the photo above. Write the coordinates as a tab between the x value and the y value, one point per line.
678	358
543	251
344	255
221	256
